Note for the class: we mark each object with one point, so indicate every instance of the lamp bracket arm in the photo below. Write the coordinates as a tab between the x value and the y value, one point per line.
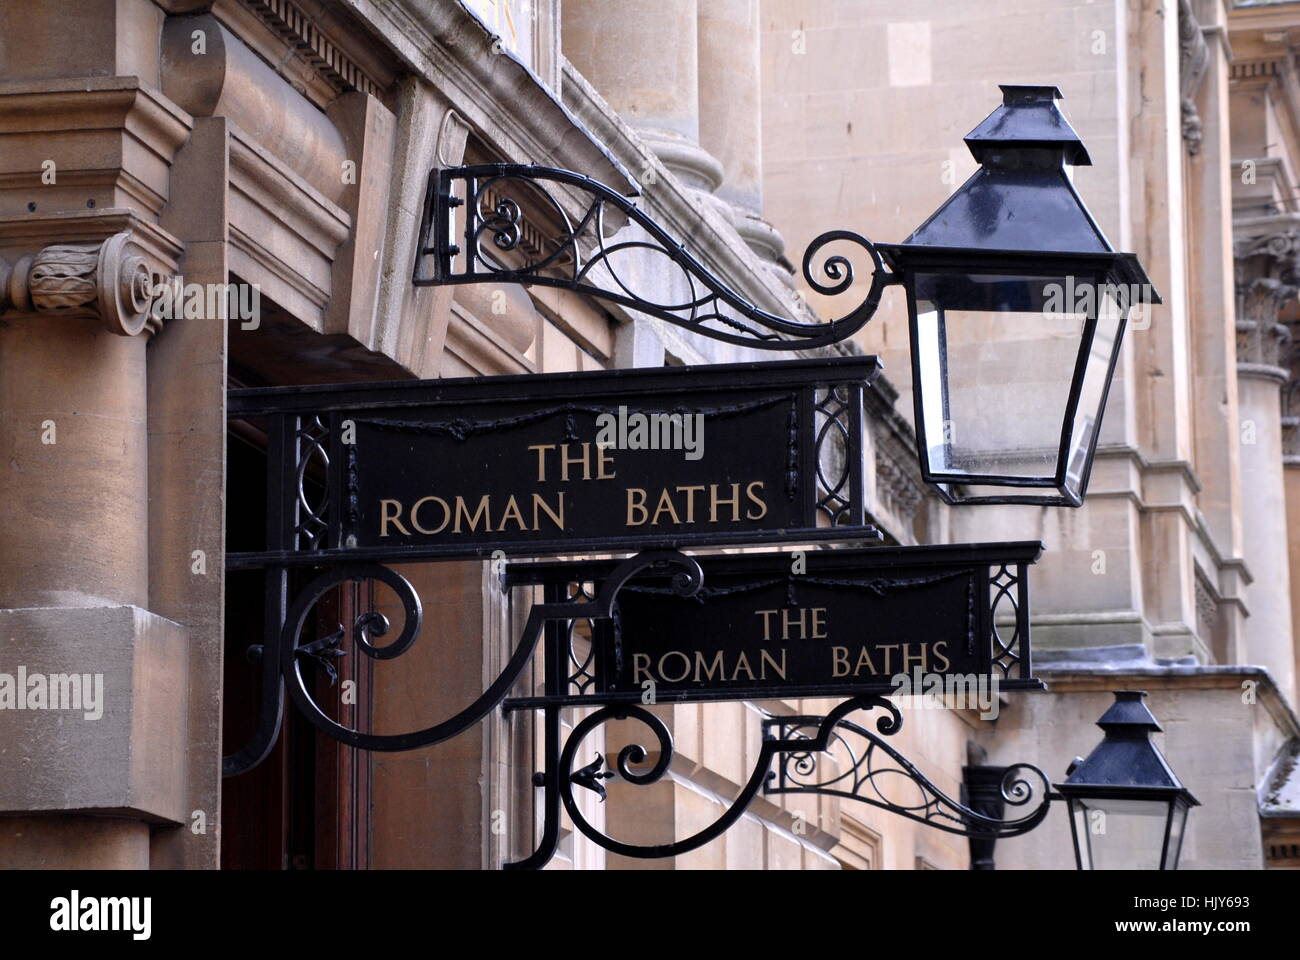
514	223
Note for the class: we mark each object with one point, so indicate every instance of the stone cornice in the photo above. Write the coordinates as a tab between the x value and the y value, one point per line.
1178	677
504	101
63	120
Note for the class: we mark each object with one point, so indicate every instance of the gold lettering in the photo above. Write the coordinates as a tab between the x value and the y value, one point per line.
765	658
742	661
604	459
482	511
686	666
567	461
415	514
636	504
539	503
819	623
909	658
385	517
640	665
690	501
511	510
888	648
714	502
757	501
541	449
767	622
941	653
864	659
839	661
665	503
787	623
708	670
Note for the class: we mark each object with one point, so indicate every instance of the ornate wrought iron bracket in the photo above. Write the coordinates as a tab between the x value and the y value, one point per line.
291	664
512	223
801	745
847	760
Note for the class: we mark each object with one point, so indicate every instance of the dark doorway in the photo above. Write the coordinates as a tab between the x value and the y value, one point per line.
307	805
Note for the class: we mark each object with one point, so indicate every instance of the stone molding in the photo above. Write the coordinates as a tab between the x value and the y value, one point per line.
107	265
114	117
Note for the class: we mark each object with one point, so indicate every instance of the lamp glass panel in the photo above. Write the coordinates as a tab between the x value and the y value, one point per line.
1096	372
1122	834
996	356
1177	826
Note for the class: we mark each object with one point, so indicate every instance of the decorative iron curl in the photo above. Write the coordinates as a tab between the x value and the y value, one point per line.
566	251
636	753
861	777
295	658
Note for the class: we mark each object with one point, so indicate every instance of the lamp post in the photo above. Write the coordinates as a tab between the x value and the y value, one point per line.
1127	808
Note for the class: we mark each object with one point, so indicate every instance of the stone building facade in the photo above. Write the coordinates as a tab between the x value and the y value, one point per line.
286	145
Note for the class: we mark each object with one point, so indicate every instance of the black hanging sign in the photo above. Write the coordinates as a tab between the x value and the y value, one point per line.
563	463
824	623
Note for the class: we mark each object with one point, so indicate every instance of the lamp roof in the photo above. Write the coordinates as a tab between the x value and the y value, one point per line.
1028	118
1126	758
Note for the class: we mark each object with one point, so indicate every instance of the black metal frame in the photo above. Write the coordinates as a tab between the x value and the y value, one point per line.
570	253
794	742
1098	269
826	404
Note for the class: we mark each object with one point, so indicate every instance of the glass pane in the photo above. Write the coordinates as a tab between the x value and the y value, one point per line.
1087	417
1125	834
1178	820
1082	837
996	357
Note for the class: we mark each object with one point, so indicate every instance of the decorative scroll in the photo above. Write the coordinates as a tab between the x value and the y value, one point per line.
297	657
846	760
803	747
505	223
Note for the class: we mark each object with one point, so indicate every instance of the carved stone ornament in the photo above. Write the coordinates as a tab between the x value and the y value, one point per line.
111	280
1193	60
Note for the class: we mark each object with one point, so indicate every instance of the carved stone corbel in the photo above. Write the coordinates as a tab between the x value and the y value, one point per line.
1193	60
110	280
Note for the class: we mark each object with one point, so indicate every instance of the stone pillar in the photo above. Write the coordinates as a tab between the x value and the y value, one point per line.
92	724
731	119
643	58
1266	277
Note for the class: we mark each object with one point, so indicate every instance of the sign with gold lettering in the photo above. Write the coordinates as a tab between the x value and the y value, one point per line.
569	463
822	623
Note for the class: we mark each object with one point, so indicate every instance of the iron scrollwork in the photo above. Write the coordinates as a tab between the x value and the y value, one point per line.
801	746
505	223
862	765
296	657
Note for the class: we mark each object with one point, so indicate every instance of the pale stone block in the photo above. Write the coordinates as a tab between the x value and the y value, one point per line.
125	753
909	54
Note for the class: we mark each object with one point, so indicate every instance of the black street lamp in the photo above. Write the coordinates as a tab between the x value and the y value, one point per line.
1017	305
1127	808
1017	301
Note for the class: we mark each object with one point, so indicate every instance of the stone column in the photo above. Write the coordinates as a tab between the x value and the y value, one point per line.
93	686
643	58
1266	282
731	119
